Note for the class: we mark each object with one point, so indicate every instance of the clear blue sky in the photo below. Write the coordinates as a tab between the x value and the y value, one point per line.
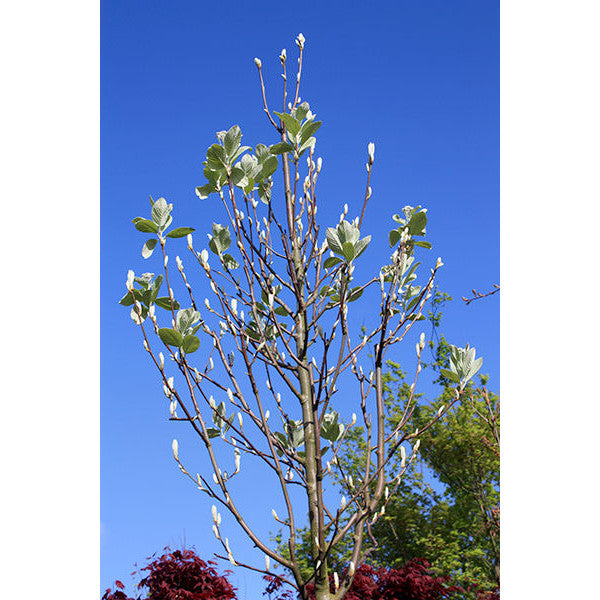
420	79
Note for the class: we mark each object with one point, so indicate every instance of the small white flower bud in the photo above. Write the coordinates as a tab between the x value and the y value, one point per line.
319	164
175	447
417	444
282	58
214	513
166	259
353	419
190	241
274	514
300	41
129	283
267	562
258	62
343	502
267	415
179	263
439	263
440	410
230	395
215	478
161	359
240	419
216	532
371	149
351	568
336	581
207	303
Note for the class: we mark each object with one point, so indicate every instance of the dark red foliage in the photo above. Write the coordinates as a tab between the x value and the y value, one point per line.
183	575
180	575
412	581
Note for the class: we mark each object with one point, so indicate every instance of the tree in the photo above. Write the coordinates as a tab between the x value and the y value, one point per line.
456	527
280	310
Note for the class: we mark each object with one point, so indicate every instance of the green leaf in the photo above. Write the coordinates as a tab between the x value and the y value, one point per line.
161	211
215	157
333	240
331	262
190	344
281	311
394	237
308	129
170	336
126	300
145	225
229	262
204	191
232	141
280	148
221	239
348	250
269	166
417	223
291	124
148	247
355	294
361	246
451	375
423	244
213	432
186	318
180	232
165	303
301	111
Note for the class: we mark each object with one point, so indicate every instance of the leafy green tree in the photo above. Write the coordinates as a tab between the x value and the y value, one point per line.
257	374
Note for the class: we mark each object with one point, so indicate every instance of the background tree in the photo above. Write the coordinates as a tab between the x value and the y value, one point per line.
280	314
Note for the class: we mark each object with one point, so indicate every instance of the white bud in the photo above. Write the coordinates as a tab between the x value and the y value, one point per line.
267	415
345	209
146	347
353	419
440	410
351	568
234	306
267	562
216	532
283	57
230	395
417	444
237	461
336	581
215	478
166	260
439	263
319	164
204	256
214	513
300	41
343	502
240	419
422	340
190	241
369	192
207	303
175	447
213	287
161	358
418	348
129	283
179	263
258	62
371	149
274	514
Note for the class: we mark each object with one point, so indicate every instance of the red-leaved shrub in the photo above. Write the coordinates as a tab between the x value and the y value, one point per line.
180	575
412	581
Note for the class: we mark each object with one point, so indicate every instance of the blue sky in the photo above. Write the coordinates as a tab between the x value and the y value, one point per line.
421	80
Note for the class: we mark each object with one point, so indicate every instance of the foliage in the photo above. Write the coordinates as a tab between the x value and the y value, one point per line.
282	299
179	575
412	581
